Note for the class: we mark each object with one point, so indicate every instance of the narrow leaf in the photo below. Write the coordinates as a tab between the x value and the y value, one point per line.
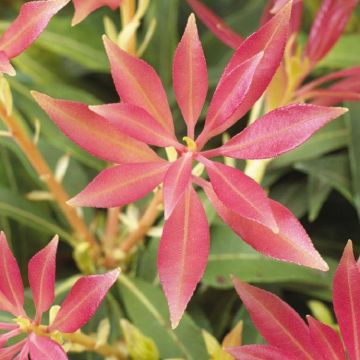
11	285
326	340
42	348
183	252
137	123
279	131
82	301
31	21
190	75
137	83
94	133
122	184
176	181
85	7
291	243
259	352
5	66
346	290
41	273
280	325
215	24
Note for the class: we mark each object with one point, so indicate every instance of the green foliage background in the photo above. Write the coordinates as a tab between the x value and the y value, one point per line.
319	182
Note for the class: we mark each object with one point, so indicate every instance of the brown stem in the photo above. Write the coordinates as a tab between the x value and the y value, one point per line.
111	229
91	345
45	174
145	223
127	9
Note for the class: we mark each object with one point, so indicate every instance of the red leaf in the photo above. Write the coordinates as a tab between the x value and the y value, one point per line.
31	21
5	66
215	24
121	185
328	26
176	181
137	123
326	340
41	273
137	83
290	244
258	352
277	322
183	253
11	285
94	133
82	301
190	76
85	7
279	131
346	290
42	348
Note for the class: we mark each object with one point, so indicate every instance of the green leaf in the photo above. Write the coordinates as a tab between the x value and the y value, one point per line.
353	122
229	255
317	193
147	309
333	170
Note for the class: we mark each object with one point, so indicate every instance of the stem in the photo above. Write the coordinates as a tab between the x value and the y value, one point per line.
111	229
127	11
91	345
45	174
145	223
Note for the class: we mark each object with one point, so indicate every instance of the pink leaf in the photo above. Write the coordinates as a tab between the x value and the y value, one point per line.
137	123
268	43
82	301
183	252
291	243
41	273
11	285
346	290
9	352
31	21
279	131
258	352
94	133
137	83
240	193
24	353
42	348
121	185
83	8
5	66
215	24
190	76
328	27
176	181
277	322
326	340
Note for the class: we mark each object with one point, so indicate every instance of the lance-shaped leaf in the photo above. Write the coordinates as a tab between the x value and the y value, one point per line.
11	285
326	340
31	21
85	7
137	83
5	66
269	42
42	348
190	76
240	193
9	352
279	131
121	185
346	290
291	243
82	301
137	123
41	273
93	132
259	352
183	253
278	323
216	25
328	27
176	181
